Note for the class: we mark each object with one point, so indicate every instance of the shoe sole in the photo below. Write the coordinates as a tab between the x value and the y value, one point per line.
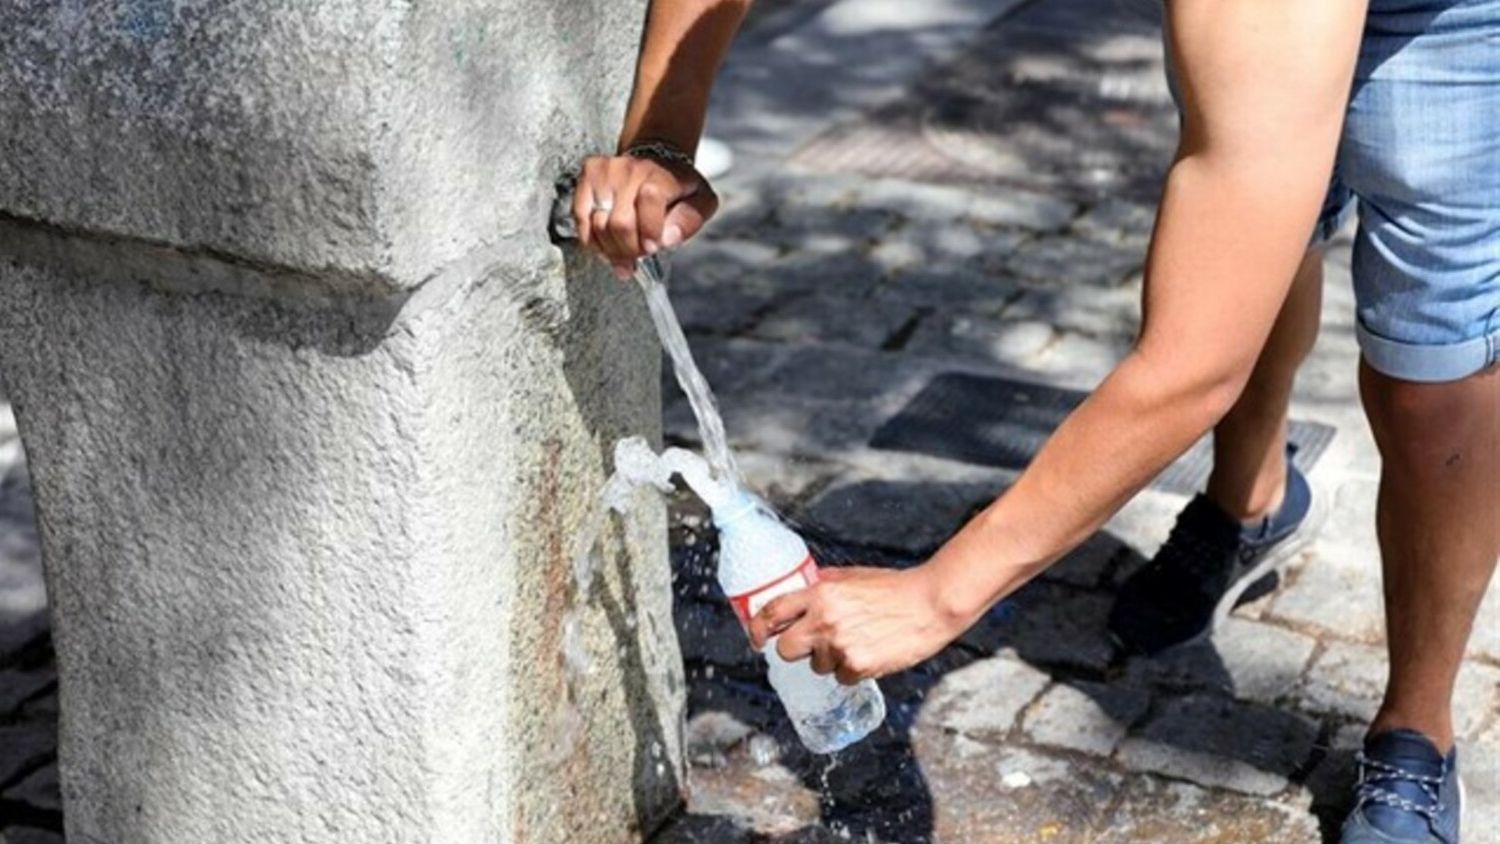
1282	554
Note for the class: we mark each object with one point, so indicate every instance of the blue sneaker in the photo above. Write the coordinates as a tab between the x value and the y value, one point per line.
1210	564
1408	793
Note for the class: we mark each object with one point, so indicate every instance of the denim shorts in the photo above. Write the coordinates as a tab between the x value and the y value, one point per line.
1420	161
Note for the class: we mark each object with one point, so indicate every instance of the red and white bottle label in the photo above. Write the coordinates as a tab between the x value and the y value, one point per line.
747	604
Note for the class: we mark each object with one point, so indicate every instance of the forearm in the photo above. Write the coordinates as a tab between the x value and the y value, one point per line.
1236	215
1170	391
685	43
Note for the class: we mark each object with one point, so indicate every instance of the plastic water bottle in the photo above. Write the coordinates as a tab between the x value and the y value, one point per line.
759	559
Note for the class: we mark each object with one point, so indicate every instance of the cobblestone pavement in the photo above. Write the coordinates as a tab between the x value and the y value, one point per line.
990	216
925	188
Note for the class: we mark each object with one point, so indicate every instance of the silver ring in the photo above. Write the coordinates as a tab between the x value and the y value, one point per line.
606	207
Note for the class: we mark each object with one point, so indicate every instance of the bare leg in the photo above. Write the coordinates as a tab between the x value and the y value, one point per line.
1438	518
1249	475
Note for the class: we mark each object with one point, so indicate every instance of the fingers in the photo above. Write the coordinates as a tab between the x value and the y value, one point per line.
687	216
779	614
626	208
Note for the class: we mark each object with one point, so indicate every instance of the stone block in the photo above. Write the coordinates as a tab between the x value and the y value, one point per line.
907	516
1338	588
17	686
313	566
982	699
1349	679
38	791
1153	810
23	589
1245	659
1011	343
866	323
1219	743
1090	718
342	145
23	747
29	835
989	794
1075	260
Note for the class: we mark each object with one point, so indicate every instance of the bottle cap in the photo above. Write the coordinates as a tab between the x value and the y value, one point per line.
740	504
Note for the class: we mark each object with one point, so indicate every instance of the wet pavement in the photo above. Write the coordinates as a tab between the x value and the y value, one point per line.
989	217
926	189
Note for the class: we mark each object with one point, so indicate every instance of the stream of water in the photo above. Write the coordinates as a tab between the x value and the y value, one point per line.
651	274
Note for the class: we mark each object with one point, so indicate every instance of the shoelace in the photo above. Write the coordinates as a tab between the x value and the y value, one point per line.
1373	773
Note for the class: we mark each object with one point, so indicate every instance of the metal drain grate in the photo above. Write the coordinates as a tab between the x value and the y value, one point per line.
1002	422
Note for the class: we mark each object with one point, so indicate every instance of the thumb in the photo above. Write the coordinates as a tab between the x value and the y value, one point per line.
688	215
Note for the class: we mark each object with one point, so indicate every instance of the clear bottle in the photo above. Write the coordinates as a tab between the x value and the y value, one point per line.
760	558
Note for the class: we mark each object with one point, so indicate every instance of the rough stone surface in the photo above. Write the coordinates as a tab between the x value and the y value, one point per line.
351	142
1246	659
22	748
983	699
1181	813
1000	794
1090	718
39	790
1215	742
1349	679
310	550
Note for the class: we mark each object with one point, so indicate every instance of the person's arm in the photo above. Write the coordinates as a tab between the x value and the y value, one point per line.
1264	85
649	204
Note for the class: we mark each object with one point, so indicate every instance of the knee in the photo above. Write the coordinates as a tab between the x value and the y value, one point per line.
1419	422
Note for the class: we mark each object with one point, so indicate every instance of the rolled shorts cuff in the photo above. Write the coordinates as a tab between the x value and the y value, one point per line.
1430	363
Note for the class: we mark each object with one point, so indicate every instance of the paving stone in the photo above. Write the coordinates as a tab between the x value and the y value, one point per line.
1349	679
29	835
1154	811
1089	564
23	747
767	799
1050	624
1078	360
1015	343
1119	219
841	373
1337	589
942	204
1021	209
796	227
909	516
723	309
730	365
1217	742
988	794
1485	641
705	829
1330	783
17	685
23	590
779	424
1087	717
1075	260
1244	659
1479	764
1111	313
716	263
39	790
982	699
950	289
868	323
840	269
